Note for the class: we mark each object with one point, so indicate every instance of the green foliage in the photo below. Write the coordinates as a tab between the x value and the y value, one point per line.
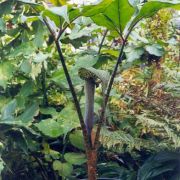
64	169
75	158
159	165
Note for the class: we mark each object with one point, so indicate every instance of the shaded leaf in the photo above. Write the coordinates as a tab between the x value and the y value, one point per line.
75	158
28	115
155	49
8	111
76	139
64	169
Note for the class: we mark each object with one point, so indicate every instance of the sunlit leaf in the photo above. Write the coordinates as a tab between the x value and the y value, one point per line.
54	128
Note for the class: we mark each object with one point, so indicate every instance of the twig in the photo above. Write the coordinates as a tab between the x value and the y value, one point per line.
102	41
44	89
106	97
71	87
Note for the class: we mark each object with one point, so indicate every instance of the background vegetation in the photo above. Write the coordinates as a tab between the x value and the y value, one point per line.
40	134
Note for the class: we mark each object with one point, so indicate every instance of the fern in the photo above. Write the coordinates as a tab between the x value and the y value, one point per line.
161	127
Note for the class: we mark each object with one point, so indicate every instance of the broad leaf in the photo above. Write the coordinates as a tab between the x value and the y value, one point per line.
50	127
76	139
85	61
75	158
112	14
68	119
64	169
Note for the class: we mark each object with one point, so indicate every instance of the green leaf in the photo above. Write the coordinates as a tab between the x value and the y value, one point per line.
64	169
6	73
26	48
50	127
61	11
39	35
120	12
8	111
155	49
68	118
76	139
2	25
27	89
59	78
150	8
112	14
40	57
49	111
159	164
36	6
133	53
29	18
92	10
78	32
85	61
26	66
6	7
75	158
28	115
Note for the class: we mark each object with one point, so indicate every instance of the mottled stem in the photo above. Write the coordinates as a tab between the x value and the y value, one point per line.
89	106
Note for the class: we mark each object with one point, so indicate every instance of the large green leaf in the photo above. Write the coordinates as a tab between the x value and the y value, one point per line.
50	127
112	14
85	61
75	158
119	12
76	139
64	169
92	10
150	8
68	118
